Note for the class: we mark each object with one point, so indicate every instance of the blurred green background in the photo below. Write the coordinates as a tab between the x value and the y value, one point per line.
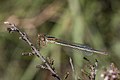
92	22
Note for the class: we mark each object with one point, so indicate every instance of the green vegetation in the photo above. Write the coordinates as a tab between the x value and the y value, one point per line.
92	22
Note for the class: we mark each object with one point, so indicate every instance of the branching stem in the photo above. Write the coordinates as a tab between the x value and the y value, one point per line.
13	28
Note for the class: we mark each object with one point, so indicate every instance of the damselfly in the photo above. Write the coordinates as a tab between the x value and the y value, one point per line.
44	39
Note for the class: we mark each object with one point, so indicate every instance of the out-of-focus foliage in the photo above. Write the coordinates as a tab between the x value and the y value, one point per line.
92	22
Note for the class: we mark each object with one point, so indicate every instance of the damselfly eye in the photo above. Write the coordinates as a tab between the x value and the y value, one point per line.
42	39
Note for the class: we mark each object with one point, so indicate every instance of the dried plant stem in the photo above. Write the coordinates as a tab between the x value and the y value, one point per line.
93	68
73	69
24	37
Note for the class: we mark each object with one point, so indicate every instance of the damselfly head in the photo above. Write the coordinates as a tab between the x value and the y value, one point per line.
41	40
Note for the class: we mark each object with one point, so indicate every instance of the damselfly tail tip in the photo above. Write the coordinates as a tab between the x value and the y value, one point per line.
105	53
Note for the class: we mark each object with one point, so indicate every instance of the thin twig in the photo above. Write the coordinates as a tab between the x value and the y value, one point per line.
73	69
71	63
24	37
66	75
